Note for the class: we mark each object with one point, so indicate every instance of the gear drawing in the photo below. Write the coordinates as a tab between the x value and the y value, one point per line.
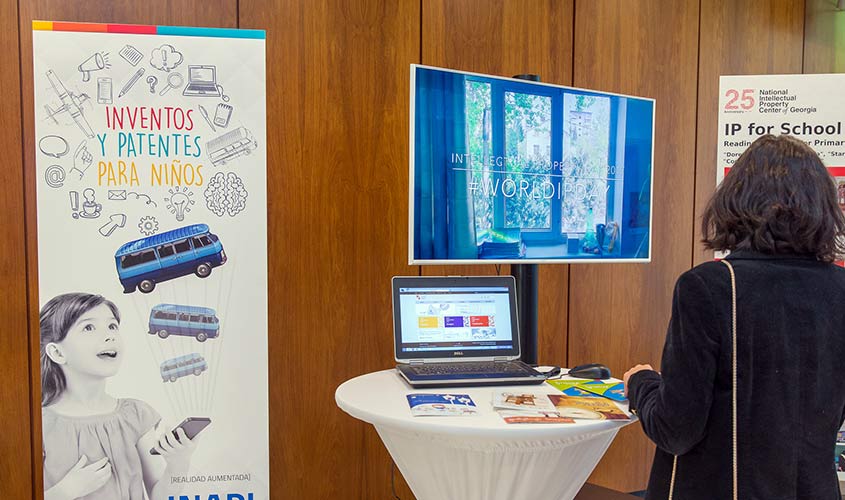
148	225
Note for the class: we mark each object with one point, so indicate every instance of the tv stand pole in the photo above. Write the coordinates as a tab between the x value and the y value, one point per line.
527	277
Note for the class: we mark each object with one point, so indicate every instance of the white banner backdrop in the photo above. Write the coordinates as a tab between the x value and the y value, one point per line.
151	183
804	106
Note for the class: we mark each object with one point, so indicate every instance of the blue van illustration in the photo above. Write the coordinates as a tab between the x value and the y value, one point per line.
164	256
191	321
189	364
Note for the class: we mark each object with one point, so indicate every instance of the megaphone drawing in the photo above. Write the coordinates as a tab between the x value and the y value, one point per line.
94	63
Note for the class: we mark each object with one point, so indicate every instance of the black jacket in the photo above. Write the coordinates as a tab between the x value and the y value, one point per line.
791	392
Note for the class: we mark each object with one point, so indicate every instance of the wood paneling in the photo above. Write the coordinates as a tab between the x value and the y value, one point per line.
337	100
337	103
213	13
506	38
738	37
824	37
16	467
500	37
618	313
593	492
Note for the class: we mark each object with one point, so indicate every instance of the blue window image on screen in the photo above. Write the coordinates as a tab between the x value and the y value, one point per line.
505	170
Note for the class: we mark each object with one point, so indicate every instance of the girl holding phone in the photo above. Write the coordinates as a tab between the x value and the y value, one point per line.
96	446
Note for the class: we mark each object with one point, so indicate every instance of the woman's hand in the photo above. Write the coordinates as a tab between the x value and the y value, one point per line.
177	452
82	479
635	369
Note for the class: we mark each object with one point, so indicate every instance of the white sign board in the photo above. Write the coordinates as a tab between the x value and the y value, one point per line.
152	261
804	106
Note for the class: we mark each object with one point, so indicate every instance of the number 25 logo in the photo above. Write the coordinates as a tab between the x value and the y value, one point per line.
745	102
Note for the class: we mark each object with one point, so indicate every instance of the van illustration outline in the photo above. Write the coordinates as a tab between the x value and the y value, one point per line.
182	366
201	323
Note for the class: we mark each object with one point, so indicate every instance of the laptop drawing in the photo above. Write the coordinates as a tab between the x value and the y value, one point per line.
458	331
202	82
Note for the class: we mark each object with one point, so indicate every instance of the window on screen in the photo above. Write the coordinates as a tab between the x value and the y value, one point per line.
510	137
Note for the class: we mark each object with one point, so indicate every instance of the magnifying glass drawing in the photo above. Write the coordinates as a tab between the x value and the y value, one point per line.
174	81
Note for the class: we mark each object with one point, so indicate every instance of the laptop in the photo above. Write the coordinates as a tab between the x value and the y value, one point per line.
202	82
458	331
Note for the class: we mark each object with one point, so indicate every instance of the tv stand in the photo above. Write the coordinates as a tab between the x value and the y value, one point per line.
526	276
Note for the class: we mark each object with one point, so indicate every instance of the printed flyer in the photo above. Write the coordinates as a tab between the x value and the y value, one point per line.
152	261
799	105
587	407
442	405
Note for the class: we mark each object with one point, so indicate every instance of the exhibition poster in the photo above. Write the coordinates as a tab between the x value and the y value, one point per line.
150	147
799	105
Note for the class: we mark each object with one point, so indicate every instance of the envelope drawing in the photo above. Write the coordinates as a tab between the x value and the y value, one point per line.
117	194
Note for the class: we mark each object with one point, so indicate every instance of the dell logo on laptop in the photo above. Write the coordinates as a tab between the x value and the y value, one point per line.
458	353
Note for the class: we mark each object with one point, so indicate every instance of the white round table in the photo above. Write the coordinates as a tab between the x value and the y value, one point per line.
477	457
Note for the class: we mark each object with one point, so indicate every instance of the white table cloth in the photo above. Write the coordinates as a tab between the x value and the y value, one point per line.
477	457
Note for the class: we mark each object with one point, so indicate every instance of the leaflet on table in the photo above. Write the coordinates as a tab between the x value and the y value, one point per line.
533	417
590	388
520	407
610	390
572	388
522	401
452	405
590	408
563	384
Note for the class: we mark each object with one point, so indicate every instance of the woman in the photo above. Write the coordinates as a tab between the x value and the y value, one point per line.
777	213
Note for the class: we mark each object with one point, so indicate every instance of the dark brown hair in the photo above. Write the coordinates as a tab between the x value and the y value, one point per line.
57	316
777	199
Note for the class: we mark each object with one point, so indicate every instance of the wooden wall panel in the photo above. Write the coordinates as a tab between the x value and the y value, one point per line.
337	105
213	13
619	313
505	38
738	37
824	37
337	100
16	466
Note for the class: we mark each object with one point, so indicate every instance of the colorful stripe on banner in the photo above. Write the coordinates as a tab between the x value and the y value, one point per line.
140	29
835	171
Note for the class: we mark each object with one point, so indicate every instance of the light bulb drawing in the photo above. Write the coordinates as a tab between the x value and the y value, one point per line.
179	202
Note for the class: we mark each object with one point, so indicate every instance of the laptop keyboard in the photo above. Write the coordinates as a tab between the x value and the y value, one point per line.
475	367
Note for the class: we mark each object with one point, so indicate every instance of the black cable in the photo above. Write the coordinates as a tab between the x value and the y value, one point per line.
392	480
553	372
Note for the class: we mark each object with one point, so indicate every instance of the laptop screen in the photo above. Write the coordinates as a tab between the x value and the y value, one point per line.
454	317
201	74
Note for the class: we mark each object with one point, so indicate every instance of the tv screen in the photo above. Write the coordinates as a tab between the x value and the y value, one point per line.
514	171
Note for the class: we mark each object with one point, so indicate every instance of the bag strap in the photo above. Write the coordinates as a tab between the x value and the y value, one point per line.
733	379
733	395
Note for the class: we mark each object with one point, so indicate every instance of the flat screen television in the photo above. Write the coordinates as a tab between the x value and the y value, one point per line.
504	170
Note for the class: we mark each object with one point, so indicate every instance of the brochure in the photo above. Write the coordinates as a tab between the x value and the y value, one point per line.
610	390
590	388
522	401
591	408
534	417
577	392
564	384
449	405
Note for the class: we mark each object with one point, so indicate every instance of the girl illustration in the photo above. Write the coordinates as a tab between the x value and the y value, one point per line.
96	446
